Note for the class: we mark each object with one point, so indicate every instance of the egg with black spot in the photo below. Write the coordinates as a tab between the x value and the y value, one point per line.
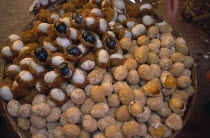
74	51
64	69
77	18
60	27
89	37
41	54
110	43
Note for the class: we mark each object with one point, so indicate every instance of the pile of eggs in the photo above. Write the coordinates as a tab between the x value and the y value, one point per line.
102	70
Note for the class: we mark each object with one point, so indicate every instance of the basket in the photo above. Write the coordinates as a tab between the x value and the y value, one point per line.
25	134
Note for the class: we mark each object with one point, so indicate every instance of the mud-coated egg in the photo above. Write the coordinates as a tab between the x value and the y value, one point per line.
174	121
184	82
167	79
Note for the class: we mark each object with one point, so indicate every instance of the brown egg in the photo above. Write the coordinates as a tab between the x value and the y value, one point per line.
145	72
70	130
131	64
141	54
122	113
152	32
121	72
139	96
78	96
113	100
157	129
133	77
126	95
89	124
125	43
151	89
113	131
99	110
106	121
97	94
130	129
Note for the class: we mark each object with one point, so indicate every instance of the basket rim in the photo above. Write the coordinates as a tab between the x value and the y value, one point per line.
187	114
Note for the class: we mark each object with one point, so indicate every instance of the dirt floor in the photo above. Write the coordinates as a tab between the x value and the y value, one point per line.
14	14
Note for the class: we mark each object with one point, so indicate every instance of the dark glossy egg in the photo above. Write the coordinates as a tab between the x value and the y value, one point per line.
89	37
77	18
60	27
64	69
110	42
41	54
74	51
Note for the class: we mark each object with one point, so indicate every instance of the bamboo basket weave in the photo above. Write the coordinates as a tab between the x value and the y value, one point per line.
26	134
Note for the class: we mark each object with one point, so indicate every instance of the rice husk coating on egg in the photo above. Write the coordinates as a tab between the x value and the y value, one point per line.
72	69
59	34
106	4
101	64
57	80
41	86
92	26
44	15
87	58
116	28
55	55
132	10
57	101
23	83
80	85
146	11
8	80
110	13
68	7
11	73
20	91
23	65
39	62
117	61
36	73
90	5
85	13
28	36
87	44
10	57
27	52
93	14
122	33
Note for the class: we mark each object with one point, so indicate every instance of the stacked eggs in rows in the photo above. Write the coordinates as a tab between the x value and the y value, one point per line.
99	70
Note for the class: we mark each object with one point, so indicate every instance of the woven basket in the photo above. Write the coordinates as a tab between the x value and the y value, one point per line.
26	134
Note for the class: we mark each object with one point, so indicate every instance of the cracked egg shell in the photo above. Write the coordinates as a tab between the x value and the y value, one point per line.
41	55
117	59
138	30
148	21
88	39
61	29
57	59
151	89
37	70
79	78
168	80
53	78
110	44
6	92
91	23
6	53
62	43
102	59
66	70
17	46
77	20
87	63
58	96
12	70
19	91
182	95
74	53
25	79
136	108
41	86
177	106
132	10
157	130
125	33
